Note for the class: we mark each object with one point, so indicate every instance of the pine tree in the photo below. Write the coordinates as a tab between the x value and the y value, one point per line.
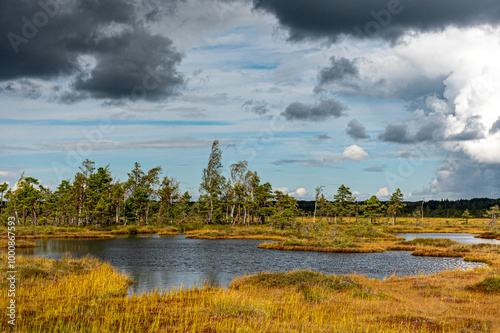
372	209
394	204
343	201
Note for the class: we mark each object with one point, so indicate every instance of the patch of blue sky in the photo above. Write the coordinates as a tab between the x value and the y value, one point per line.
257	66
222	47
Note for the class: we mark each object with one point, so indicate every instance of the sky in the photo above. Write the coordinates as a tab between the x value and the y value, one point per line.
373	94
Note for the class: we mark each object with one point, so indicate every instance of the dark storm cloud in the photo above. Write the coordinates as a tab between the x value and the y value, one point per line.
496	127
396	132
49	39
388	19
431	129
324	110
338	70
356	130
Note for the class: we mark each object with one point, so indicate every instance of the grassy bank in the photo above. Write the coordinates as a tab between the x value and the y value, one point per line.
489	235
438	225
240	232
4	244
87	232
86	295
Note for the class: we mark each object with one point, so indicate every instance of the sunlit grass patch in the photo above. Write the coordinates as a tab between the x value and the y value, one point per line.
333	248
296	279
86	295
436	242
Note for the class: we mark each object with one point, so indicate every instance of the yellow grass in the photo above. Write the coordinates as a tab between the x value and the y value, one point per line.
4	243
438	225
239	232
86	295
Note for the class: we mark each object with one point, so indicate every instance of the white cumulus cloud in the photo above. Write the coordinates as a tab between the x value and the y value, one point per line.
383	192
355	153
300	193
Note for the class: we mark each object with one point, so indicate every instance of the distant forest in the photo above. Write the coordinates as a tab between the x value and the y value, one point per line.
433	208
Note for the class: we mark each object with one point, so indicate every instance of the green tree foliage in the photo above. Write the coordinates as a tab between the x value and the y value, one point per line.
373	209
466	216
3	188
263	201
211	185
343	201
141	190
25	199
236	190
395	204
285	210
169	200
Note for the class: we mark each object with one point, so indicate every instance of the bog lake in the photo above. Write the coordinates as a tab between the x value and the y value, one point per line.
165	262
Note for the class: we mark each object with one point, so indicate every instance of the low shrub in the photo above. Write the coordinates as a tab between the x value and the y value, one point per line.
488	285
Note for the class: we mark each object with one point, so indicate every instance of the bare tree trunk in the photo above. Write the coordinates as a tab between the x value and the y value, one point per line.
314	215
233	207
117	214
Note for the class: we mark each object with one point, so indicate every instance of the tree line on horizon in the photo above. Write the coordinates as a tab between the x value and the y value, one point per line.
92	197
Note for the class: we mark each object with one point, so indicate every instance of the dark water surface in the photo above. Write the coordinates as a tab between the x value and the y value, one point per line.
172	261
